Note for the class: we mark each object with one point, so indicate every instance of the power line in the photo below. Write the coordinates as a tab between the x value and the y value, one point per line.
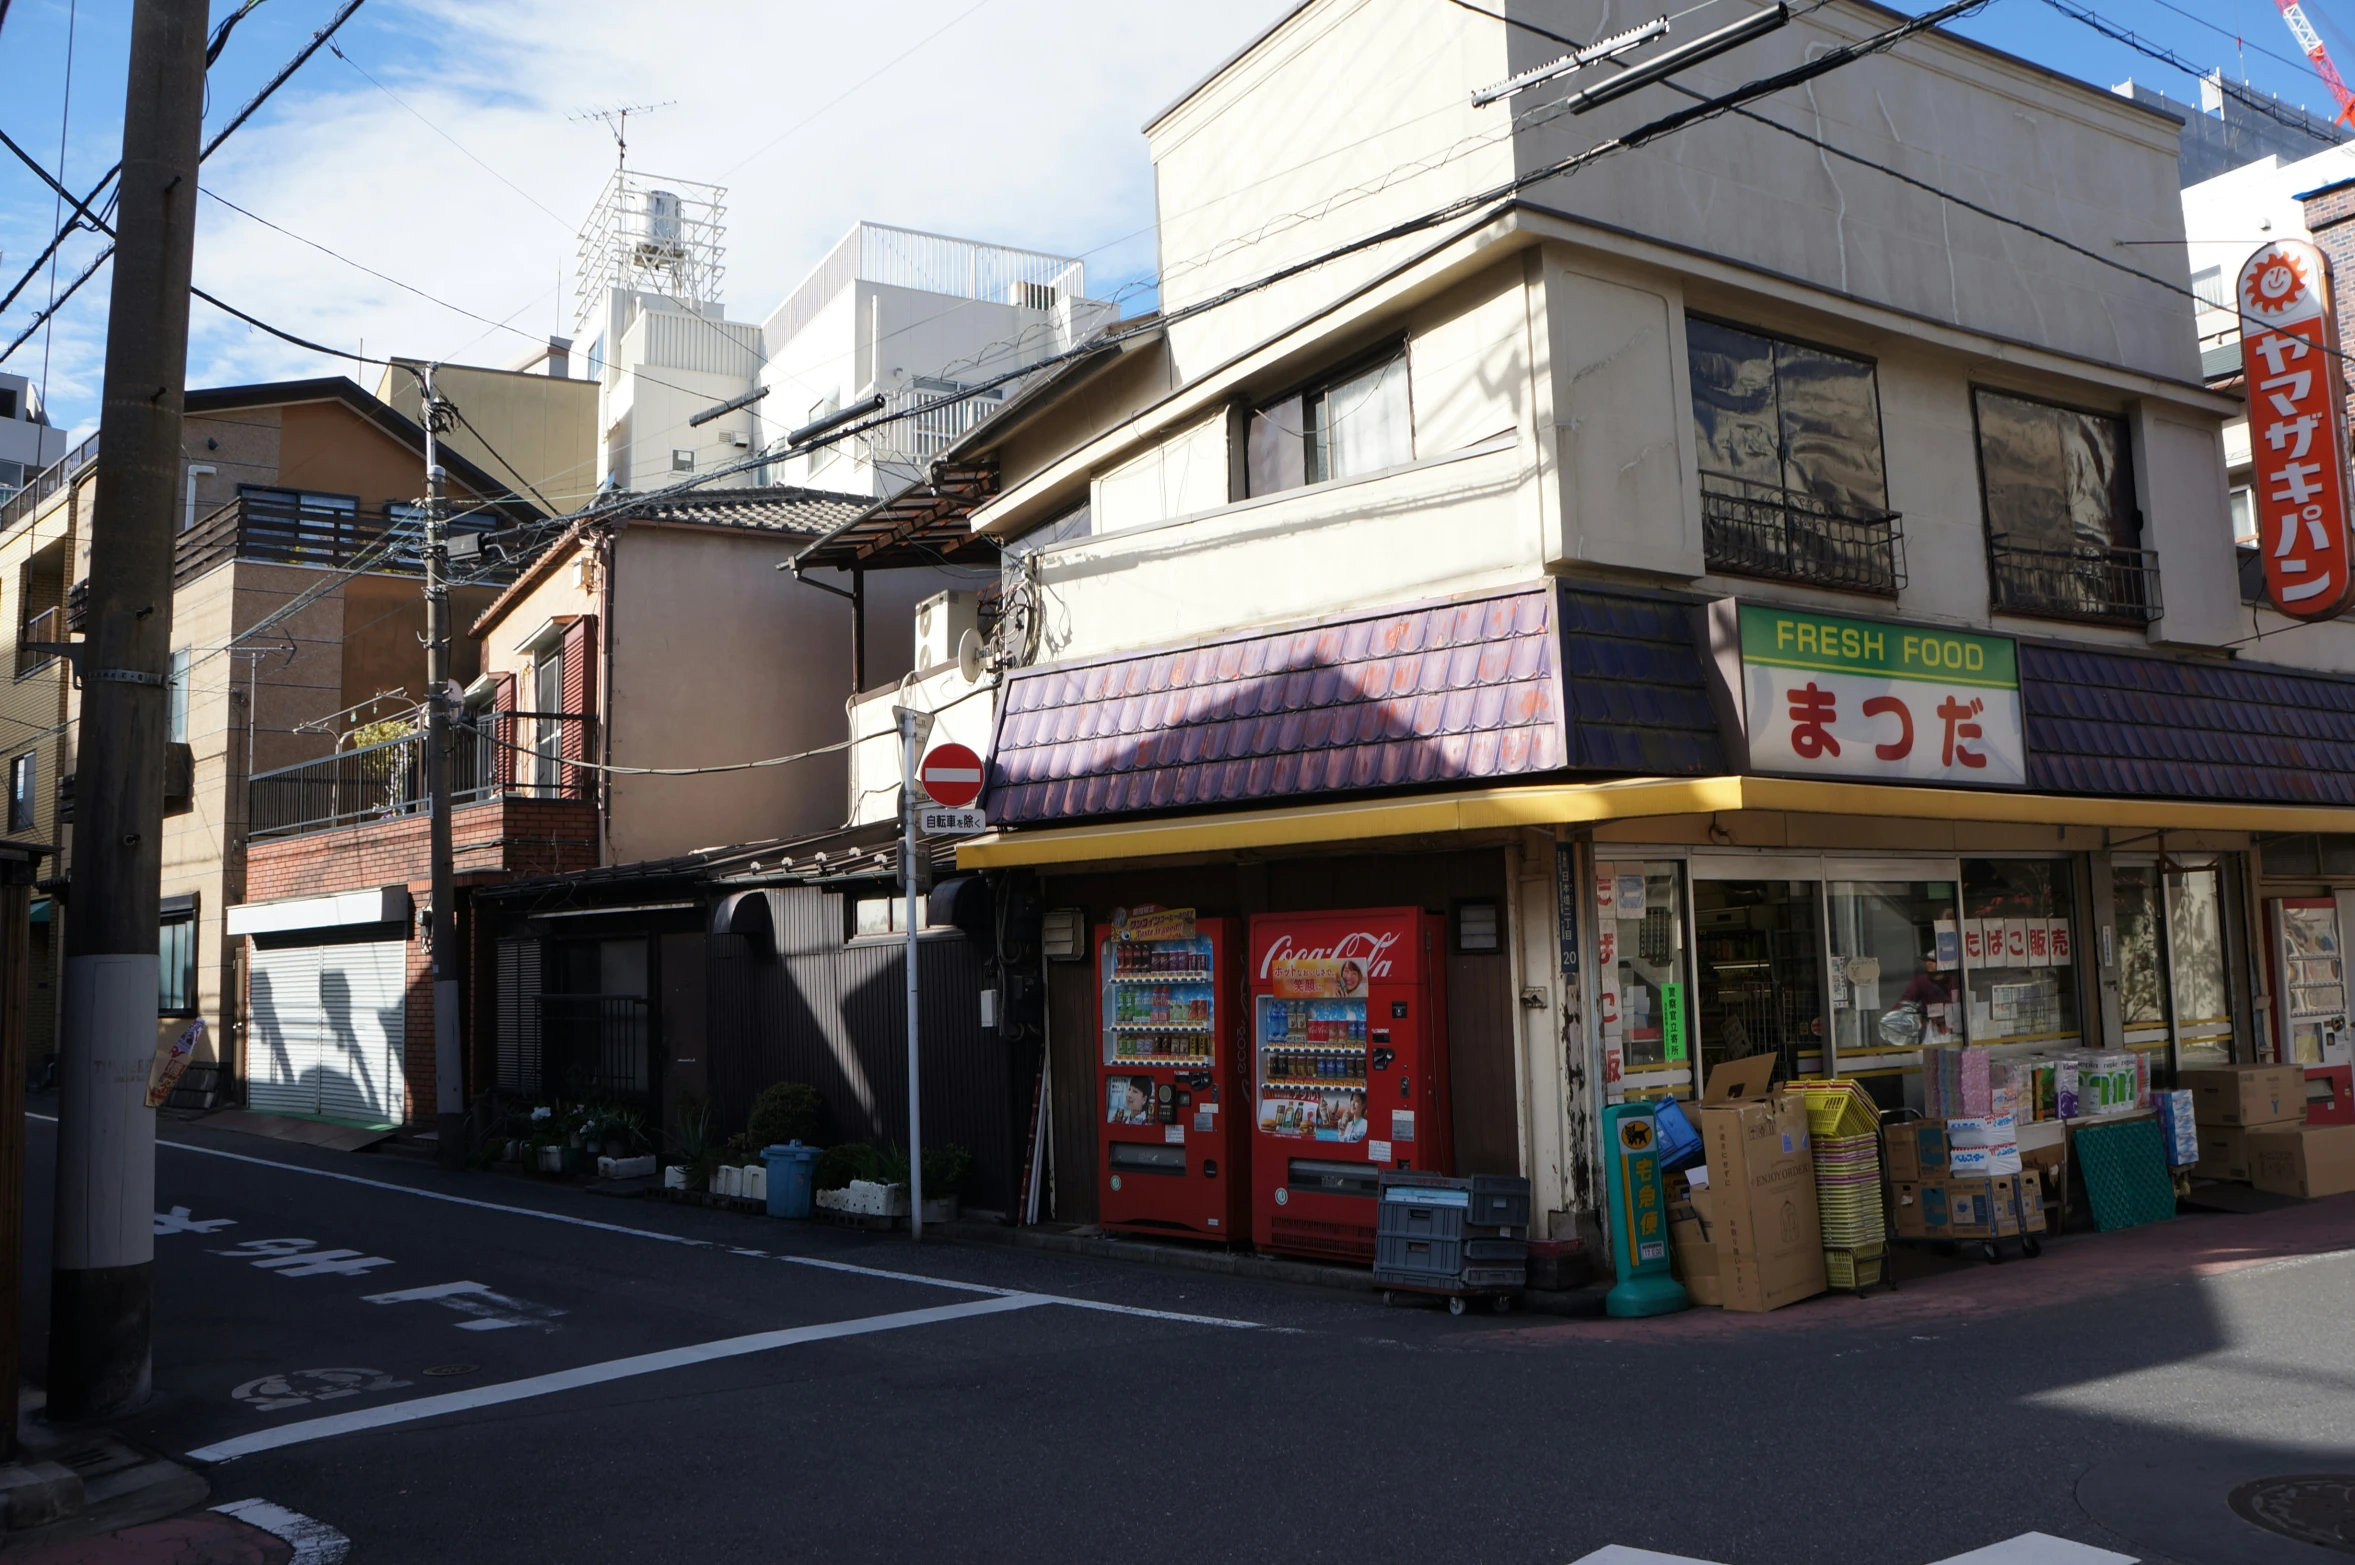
2247	98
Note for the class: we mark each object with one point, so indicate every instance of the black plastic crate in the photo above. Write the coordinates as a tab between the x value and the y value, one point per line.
1501	1199
1477	1251
1419	1222
1429	1259
1496	1276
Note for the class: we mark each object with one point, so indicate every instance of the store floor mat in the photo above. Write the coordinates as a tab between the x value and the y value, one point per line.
2124	1167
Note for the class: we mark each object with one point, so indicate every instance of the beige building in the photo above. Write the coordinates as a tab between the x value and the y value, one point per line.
532	427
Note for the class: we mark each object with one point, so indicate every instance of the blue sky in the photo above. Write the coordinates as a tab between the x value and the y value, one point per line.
441	153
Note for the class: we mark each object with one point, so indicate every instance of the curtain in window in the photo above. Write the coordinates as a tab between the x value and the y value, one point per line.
2055	478
1790	417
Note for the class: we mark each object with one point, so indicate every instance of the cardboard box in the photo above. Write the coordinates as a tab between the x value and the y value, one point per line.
2303	1160
1919	1208
1983	1162
1916	1149
1993	1208
2246	1095
2224	1152
1695	1261
1762	1214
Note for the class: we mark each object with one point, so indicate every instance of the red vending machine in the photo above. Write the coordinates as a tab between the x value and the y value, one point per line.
1349	1070
1169	1154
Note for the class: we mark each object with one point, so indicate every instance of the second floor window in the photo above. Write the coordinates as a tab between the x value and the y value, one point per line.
2063	535
1785	415
176	960
176	729
20	792
1358	422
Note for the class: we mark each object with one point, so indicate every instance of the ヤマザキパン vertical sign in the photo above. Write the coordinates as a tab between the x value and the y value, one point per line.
2297	428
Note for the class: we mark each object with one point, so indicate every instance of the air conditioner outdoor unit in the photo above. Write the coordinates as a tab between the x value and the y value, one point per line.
740	442
941	622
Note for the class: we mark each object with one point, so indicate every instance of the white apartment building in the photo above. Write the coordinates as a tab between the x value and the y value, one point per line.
889	312
28	441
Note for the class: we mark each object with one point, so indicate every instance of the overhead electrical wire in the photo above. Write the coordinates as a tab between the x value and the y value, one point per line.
2247	98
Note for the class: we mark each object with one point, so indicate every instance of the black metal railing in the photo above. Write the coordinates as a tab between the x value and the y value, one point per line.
492	755
596	1048
1755	529
47	626
2111	586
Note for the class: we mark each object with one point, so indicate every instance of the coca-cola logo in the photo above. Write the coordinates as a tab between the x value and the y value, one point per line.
1363	946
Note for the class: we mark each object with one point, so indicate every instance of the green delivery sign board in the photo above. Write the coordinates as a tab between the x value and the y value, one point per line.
1828	696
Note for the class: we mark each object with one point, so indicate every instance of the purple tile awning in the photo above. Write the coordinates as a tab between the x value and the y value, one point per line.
1452	692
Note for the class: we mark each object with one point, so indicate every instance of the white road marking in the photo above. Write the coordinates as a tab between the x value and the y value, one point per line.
491	1311
303	1258
301	1387
410	1412
706	1244
315	1543
179	1220
2029	1548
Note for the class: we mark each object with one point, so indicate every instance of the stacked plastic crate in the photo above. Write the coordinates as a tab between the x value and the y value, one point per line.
1844	1124
1452	1235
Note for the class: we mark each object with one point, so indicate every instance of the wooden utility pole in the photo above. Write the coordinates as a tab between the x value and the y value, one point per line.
101	1299
449	1070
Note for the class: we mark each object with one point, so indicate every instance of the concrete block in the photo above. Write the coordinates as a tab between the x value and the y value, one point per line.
33	1494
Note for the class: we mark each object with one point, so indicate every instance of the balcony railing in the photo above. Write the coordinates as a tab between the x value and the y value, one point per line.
918	440
46	626
285	531
492	755
2108	586
45	483
1754	529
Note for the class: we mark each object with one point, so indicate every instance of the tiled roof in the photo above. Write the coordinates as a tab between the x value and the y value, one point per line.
1638	702
805	512
1439	693
2117	723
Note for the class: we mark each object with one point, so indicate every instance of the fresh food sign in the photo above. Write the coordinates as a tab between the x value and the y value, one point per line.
1824	695
2297	429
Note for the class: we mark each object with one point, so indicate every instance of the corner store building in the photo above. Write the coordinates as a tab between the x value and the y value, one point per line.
1245	550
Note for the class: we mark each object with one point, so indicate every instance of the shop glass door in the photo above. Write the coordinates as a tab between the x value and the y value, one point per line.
1758	962
1896	970
2173	993
1645	996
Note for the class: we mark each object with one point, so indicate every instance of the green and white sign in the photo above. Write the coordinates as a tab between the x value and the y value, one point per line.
1825	695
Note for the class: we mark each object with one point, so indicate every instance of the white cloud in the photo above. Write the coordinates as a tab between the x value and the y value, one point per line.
1017	124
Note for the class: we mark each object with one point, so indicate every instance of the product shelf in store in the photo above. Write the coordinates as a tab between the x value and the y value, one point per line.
1161	1026
1314	1048
1194	975
1172	1060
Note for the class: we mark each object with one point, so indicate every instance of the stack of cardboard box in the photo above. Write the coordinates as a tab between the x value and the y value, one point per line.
1749	1237
1929	1200
2252	1127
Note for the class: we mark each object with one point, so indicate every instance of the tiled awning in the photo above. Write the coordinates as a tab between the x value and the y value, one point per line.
2134	725
1465	691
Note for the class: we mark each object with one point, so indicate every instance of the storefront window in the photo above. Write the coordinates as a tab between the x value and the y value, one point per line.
2020	950
1896	976
1760	960
1639	931
2142	976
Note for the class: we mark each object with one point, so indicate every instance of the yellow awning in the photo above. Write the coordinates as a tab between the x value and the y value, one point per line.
1557	804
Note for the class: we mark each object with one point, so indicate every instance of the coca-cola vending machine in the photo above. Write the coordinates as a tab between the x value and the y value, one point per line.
1349	1071
1169	1154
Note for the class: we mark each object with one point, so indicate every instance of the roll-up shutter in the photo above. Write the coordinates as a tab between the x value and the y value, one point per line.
282	1043
363	1002
519	1015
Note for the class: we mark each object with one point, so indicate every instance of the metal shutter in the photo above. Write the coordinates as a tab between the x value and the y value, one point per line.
363	1002
519	1016
282	1034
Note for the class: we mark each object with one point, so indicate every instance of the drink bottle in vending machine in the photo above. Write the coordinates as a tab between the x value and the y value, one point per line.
1348	1071
1169	1149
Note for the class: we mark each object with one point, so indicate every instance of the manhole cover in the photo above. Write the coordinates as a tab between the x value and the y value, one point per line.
439	1370
2310	1507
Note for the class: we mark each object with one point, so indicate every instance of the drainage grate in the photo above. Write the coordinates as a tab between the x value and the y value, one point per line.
2314	1508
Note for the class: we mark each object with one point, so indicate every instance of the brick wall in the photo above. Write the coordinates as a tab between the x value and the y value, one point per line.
501	839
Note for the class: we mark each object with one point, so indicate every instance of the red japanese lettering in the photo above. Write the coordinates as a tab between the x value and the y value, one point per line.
1887	706
1953	711
1812	713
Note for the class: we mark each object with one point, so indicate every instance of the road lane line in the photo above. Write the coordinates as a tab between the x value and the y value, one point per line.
410	1412
815	1262
314	1542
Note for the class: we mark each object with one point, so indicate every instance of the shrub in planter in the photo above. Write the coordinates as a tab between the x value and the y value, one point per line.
947	1169
788	1111
838	1166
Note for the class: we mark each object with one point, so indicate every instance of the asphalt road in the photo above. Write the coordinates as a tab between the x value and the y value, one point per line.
632	1380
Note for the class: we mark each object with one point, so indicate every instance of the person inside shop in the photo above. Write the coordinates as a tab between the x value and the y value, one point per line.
1929	997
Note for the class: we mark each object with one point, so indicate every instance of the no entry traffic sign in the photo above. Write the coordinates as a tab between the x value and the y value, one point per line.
951	774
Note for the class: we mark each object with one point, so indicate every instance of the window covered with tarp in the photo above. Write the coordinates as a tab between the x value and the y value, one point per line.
1786	416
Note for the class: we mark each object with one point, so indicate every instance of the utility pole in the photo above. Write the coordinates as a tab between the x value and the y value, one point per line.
101	1292
449	1068
914	728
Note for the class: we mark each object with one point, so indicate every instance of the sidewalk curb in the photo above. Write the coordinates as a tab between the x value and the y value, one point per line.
1575	1303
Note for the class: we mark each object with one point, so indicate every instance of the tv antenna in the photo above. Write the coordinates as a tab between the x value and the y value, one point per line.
617	120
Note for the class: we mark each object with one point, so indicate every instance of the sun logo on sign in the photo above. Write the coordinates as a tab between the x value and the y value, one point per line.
2276	283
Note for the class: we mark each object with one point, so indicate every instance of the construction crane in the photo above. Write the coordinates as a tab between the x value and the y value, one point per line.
2311	41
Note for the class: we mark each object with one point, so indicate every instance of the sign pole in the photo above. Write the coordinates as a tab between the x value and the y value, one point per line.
912	736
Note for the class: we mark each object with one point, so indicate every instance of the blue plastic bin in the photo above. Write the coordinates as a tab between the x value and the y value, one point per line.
1680	1143
792	1170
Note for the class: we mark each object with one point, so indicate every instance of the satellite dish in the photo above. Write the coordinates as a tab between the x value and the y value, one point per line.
969	659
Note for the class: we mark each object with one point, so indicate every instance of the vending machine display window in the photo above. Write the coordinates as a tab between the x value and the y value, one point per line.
1170	1146
1159	1004
1312	1067
2310	981
2019	950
